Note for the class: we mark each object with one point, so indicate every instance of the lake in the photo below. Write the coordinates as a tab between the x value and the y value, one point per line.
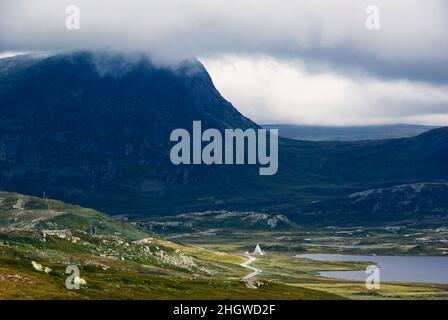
428	269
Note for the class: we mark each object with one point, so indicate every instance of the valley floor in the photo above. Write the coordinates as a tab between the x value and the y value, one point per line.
279	264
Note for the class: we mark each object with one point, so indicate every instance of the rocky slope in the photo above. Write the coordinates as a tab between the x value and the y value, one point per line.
418	201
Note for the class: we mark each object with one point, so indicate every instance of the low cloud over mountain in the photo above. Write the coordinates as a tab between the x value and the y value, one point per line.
398	73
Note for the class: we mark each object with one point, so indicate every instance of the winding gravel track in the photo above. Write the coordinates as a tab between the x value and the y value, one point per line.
254	272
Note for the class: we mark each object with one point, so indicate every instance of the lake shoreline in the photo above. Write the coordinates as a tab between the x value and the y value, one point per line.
411	269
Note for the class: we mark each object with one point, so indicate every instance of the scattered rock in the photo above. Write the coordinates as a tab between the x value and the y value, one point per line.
40	267
79	281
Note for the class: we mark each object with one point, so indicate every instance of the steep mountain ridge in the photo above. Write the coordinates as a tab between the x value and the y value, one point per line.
82	133
93	129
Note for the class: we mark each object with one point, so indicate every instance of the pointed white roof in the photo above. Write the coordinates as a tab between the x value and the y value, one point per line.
258	251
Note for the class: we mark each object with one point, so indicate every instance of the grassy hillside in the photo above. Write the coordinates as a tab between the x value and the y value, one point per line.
118	261
201	221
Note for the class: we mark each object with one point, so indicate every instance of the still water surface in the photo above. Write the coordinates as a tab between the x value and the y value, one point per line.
427	269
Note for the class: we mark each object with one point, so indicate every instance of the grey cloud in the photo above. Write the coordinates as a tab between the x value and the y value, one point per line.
287	92
411	43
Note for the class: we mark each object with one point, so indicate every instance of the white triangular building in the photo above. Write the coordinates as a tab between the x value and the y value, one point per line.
257	251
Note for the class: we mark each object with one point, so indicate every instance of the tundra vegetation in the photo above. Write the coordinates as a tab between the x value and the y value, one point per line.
187	259
118	261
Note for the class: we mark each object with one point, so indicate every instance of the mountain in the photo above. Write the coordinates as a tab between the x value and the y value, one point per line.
93	129
348	133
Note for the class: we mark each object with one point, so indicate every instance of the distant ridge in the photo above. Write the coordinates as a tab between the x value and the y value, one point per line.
348	133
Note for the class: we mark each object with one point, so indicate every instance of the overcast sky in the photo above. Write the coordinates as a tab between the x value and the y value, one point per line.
277	61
